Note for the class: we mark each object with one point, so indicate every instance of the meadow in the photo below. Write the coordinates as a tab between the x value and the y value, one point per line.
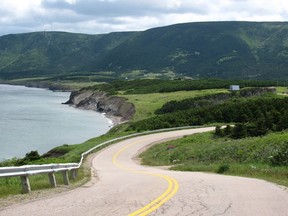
147	104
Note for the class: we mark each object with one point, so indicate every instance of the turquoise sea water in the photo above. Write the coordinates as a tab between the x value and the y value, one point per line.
35	119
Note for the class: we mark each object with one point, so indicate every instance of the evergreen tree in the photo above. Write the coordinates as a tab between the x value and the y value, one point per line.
261	128
228	130
219	131
283	122
239	131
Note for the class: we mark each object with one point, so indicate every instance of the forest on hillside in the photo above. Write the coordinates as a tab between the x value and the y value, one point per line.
230	50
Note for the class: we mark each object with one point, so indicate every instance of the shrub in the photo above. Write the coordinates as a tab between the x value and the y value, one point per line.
281	156
31	156
223	168
219	131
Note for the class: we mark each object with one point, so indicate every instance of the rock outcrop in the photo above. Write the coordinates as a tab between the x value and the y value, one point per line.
112	106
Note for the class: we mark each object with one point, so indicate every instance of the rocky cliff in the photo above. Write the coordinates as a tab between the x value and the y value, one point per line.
113	106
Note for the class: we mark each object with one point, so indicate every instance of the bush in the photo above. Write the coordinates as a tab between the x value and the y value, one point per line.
31	156
219	131
239	131
281	156
223	168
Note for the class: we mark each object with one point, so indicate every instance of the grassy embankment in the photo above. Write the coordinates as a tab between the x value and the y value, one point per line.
256	157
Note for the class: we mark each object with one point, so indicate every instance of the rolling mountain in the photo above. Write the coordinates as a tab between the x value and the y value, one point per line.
256	50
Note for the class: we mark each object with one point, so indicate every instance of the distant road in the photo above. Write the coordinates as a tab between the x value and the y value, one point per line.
126	188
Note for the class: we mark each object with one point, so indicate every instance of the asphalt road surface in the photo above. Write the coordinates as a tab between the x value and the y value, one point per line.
127	188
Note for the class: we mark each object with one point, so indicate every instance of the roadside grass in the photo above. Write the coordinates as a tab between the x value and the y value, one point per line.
147	104
249	157
278	175
12	186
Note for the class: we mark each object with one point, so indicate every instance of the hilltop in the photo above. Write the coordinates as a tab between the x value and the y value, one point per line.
245	50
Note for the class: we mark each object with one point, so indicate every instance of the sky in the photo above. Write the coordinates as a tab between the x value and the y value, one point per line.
104	16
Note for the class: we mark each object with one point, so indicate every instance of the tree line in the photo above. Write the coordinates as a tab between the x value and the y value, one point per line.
212	99
146	86
254	116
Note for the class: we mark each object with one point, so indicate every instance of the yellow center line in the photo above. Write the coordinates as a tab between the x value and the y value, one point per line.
172	189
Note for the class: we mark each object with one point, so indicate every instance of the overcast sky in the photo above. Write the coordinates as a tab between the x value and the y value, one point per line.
104	16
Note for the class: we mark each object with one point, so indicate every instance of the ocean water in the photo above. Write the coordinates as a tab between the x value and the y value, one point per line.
35	119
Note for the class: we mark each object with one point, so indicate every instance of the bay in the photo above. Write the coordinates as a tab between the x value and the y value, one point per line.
35	119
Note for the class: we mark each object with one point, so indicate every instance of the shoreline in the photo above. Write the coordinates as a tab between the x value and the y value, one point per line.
114	107
41	85
114	120
111	120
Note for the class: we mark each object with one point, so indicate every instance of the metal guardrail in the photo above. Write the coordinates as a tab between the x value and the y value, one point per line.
35	169
27	170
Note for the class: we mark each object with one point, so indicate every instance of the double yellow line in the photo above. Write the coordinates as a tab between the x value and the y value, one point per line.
172	189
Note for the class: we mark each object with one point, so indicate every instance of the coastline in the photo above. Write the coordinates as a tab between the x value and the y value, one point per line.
114	120
44	148
42	85
115	108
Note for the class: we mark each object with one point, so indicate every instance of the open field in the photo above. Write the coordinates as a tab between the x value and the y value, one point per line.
146	104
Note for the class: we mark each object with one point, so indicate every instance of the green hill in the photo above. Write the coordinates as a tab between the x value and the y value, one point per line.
53	53
254	50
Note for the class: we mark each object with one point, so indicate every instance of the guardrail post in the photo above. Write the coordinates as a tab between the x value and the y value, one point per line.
74	174
25	184
52	179
65	177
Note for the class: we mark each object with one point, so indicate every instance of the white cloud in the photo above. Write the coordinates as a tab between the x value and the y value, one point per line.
20	9
98	16
71	1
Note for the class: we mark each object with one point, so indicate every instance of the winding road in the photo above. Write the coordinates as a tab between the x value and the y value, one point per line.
127	188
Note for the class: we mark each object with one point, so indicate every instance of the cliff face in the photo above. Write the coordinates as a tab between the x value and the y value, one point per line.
101	102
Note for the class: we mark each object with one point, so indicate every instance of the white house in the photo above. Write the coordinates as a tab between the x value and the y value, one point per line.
234	88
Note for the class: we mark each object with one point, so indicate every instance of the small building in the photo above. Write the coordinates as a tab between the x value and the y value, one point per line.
234	88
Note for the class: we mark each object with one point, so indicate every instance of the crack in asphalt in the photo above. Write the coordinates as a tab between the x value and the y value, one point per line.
225	210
